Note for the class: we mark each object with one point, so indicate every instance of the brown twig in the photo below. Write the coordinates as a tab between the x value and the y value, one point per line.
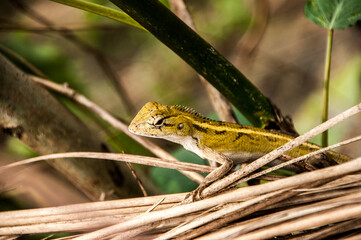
235	195
233	177
129	211
292	161
219	102
217	215
12	54
321	218
156	162
237	215
275	219
31	114
253	35
139	181
116	123
102	60
332	230
11	26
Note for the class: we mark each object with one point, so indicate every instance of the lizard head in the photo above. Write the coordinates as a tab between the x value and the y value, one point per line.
162	121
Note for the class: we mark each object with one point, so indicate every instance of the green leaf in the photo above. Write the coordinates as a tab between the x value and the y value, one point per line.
333	14
172	181
101	10
171	31
200	55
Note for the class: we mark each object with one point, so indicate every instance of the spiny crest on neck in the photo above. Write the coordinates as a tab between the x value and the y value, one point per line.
189	111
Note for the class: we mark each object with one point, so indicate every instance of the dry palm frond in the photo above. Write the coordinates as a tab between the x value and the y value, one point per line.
322	202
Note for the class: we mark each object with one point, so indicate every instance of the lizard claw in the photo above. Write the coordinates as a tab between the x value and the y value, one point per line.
195	195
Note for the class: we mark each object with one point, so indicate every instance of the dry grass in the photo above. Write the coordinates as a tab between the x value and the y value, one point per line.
309	205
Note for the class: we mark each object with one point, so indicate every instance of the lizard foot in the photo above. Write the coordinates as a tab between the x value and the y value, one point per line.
195	195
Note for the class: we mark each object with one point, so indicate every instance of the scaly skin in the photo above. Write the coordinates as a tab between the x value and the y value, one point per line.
214	140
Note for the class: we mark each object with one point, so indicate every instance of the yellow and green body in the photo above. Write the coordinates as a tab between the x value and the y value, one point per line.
225	143
196	133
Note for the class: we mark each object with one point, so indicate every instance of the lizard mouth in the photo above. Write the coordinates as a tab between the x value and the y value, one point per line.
131	128
140	129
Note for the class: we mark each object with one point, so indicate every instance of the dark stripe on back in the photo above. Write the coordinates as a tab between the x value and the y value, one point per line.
249	136
199	128
220	132
239	135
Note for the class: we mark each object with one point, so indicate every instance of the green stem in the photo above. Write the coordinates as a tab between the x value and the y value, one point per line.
326	85
200	55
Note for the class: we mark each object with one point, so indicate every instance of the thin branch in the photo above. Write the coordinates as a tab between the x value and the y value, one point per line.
220	104
233	177
30	113
308	222
135	218
116	123
253	35
12	54
139	181
271	169
332	230
101	59
275	219
143	204
228	209
200	55
309	197
286	194
235	195
156	162
79	27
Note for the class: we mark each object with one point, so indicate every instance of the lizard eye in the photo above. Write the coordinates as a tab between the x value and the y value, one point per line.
180	126
159	122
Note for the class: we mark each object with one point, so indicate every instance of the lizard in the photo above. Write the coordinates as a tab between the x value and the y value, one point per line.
217	141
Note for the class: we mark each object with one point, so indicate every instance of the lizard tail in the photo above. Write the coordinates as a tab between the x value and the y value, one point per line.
338	157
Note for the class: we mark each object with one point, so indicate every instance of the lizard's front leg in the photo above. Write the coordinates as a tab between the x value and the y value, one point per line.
216	174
